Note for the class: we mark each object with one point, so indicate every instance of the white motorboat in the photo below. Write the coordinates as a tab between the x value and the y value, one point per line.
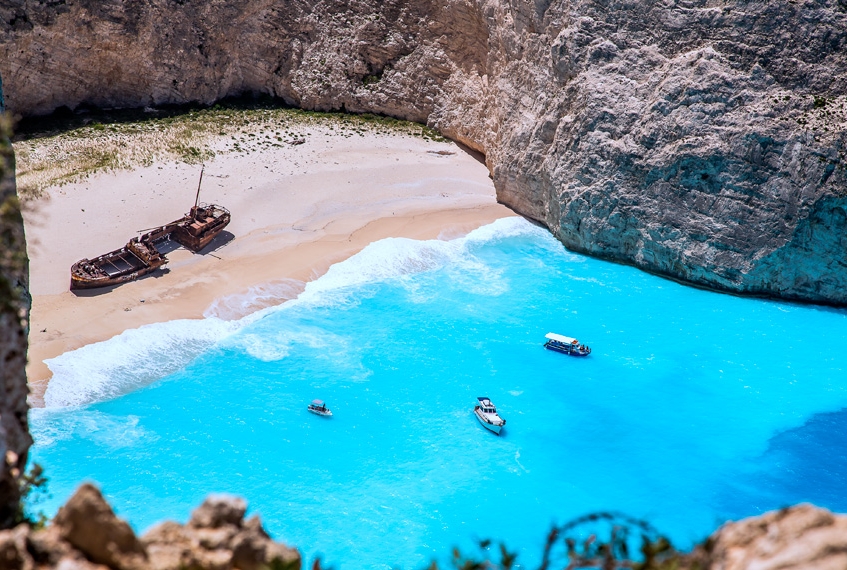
319	407
486	413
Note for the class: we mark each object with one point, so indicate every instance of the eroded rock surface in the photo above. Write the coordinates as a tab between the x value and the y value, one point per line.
86	535
800	537
699	139
14	308
88	524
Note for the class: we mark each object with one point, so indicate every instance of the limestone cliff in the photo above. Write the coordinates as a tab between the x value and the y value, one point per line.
14	308
700	139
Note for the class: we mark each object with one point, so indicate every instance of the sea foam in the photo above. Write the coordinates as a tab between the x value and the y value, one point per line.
139	357
129	361
238	305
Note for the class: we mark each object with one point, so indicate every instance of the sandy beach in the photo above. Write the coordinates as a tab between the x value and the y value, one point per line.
296	210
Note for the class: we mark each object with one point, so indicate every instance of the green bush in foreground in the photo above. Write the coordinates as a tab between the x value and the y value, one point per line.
580	543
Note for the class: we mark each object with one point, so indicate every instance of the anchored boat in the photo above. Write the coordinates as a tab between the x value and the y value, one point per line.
319	407
140	256
486	413
565	345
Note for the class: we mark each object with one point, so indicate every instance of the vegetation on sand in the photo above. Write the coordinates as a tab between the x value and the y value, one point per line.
71	146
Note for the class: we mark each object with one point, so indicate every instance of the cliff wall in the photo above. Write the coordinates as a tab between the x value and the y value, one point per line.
14	309
699	139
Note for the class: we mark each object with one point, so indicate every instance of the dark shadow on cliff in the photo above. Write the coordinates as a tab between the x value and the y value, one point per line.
836	308
475	154
65	119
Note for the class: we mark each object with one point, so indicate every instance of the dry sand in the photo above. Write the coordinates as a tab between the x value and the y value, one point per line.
295	211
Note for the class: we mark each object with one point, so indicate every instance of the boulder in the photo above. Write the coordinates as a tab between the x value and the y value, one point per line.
217	511
803	537
13	550
88	523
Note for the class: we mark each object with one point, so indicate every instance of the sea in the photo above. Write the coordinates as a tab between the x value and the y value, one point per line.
693	408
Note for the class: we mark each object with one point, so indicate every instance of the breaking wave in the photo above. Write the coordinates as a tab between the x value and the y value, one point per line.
139	357
131	360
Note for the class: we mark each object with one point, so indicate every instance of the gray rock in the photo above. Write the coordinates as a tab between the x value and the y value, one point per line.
47	546
798	538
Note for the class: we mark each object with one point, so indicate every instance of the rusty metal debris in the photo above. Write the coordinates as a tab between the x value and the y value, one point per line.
140	256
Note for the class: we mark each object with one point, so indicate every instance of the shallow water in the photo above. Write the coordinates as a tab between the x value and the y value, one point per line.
693	408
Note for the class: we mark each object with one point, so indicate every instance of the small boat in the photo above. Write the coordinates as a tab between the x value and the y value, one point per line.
319	407
566	345
486	413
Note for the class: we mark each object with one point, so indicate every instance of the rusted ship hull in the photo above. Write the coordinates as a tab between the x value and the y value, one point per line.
82	279
200	226
195	231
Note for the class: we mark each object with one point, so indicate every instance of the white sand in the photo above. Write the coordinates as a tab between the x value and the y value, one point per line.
295	211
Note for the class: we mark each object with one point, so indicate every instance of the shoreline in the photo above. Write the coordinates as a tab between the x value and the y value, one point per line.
339	196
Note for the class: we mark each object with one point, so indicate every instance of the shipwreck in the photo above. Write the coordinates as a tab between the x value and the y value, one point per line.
140	256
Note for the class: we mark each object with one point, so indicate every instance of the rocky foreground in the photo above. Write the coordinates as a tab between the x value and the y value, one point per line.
86	535
700	139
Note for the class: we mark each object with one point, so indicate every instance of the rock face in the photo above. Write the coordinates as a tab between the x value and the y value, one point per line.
14	310
86	535
799	537
699	139
88	524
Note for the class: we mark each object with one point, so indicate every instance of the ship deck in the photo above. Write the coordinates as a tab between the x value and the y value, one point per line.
120	263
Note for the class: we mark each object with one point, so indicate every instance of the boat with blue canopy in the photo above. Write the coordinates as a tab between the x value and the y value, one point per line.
319	407
566	345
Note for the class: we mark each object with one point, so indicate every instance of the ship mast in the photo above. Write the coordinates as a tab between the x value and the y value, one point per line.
197	198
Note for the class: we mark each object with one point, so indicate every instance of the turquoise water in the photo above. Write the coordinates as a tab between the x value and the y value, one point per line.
693	408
